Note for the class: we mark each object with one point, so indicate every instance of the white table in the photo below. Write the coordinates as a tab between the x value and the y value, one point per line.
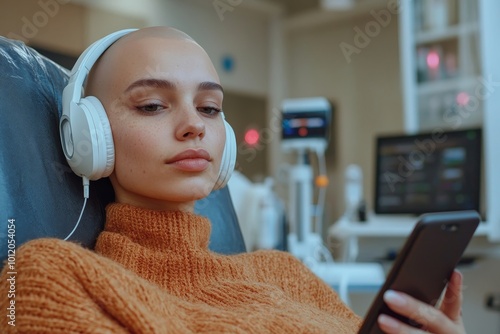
378	226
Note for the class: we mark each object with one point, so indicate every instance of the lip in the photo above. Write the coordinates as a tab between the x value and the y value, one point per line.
191	160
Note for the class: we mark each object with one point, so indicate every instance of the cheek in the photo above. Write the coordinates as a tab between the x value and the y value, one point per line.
133	149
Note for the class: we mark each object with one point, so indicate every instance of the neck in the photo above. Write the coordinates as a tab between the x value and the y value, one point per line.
154	204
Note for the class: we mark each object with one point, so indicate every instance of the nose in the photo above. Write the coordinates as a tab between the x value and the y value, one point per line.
190	125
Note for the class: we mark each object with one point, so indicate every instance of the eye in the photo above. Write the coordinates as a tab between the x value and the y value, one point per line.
211	111
150	108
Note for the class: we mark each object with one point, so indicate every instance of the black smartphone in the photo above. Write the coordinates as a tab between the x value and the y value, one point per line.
425	263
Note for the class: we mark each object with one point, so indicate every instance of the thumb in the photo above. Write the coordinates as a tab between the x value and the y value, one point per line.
451	305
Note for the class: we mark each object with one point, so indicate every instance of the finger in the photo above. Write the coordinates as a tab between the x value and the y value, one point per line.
421	313
390	325
451	305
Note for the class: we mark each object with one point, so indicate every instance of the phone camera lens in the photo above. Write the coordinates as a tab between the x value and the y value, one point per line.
449	227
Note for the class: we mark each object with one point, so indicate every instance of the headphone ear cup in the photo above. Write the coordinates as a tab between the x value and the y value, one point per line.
106	157
228	157
100	139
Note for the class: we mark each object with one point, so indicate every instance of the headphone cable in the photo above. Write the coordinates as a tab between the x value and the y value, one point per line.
86	196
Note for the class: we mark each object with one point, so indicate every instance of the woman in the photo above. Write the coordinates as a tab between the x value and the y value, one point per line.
151	270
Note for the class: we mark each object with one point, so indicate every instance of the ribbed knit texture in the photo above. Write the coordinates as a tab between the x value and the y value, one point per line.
152	272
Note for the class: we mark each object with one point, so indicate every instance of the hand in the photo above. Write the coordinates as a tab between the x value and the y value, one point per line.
445	320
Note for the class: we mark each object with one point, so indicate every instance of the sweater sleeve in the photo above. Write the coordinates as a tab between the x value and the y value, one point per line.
40	294
303	285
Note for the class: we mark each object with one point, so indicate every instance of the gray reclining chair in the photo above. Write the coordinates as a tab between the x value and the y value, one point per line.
37	188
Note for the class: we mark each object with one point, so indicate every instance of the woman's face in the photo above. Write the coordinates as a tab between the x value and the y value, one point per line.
163	99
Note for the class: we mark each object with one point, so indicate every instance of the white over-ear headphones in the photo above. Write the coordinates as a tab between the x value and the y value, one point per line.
86	136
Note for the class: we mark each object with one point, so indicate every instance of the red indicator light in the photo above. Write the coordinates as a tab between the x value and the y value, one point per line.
433	60
462	98
303	132
252	137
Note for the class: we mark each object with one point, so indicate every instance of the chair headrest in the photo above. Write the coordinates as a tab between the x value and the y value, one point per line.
39	190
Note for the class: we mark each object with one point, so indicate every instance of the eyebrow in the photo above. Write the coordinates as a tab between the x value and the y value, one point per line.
166	84
210	85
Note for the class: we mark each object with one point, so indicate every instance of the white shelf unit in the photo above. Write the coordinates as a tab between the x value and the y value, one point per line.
462	90
441	64
450	32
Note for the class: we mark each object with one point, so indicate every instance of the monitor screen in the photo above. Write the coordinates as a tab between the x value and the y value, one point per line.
309	124
432	172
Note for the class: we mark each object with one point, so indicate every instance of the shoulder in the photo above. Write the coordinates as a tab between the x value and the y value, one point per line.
46	255
46	248
48	244
50	268
48	282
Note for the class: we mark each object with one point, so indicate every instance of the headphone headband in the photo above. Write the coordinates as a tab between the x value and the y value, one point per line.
74	90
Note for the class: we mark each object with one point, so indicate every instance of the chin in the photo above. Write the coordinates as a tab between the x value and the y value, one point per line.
200	194
193	191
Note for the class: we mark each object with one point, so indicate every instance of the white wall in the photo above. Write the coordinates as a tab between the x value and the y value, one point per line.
365	91
240	33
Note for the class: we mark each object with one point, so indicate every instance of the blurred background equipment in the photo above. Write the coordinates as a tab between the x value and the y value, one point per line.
353	192
305	127
305	130
260	213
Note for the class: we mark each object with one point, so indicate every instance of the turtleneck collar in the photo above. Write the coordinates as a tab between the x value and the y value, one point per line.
163	247
158	230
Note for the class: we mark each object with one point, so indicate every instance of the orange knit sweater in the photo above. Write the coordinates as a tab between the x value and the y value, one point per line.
152	272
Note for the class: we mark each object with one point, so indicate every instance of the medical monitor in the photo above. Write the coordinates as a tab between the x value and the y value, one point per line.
438	171
305	124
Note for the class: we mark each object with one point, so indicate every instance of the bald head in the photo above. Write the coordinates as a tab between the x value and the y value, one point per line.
155	32
138	49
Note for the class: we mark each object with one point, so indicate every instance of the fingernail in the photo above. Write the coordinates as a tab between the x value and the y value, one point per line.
387	321
394	298
458	276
